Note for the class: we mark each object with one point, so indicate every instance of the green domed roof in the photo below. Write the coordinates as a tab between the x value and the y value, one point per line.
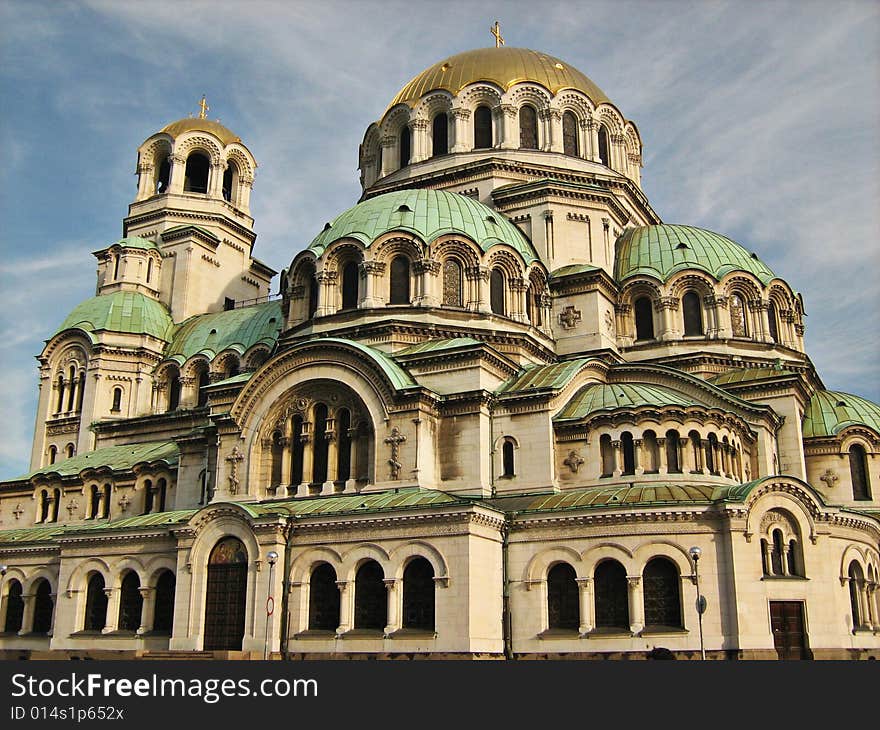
611	396
135	242
663	250
831	411
428	214
122	311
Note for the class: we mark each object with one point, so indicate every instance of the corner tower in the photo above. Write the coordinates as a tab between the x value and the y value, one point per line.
193	201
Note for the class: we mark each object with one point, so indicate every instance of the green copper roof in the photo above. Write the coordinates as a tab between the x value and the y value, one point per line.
121	311
355	503
427	214
831	411
438	345
236	329
611	396
135	242
399	378
535	377
609	496
572	269
663	250
117	458
747	375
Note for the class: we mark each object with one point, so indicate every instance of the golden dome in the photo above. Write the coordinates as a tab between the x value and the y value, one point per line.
502	66
194	124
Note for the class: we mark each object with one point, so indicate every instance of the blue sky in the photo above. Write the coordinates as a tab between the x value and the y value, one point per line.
760	120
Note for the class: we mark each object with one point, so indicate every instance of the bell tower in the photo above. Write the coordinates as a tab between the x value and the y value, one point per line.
193	201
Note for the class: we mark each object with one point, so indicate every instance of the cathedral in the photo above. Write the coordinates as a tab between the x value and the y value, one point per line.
497	409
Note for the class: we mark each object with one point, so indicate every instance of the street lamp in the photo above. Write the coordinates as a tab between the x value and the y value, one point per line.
695	554
3	569
272	557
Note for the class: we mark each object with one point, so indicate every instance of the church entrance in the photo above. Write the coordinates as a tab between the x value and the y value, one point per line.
789	637
226	596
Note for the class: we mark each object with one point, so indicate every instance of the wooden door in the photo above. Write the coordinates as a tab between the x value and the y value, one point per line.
226	596
789	637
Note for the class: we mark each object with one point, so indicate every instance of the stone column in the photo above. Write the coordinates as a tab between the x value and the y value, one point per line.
667	307
370	272
552	124
662	461
636	604
178	172
768	557
638	456
245	185
761	309
478	276
27	617
419	140
326	293
332	453
426	271
617	455
148	609
346	607
506	115
307	459
591	131
112	619
518	289
389	164
145	180
460	142
393	609
286	444
585	591
351	482
215	179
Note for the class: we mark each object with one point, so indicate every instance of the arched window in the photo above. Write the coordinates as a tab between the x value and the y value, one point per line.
81	391
418	595
528	128
612	602
44	506
693	314
96	604
313	294
277	458
60	404
607	451
195	177
651	451
14	607
173	391
94	501
452	283
71	392
644	319
399	280
629	453
673	466
56	503
603	146
696	452
570	134
320	449
161	493
440	135
131	602
563	600
738	322
43	607
232	368
70	449
496	292
117	259
343	450
230	180
149	269
404	146
105	501
163	616
507	461
117	400
856	584
712	455
772	321
349	285
662	587
163	176
777	555
370	602
298	447
148	497
53	454
324	600
204	380
858	471
482	128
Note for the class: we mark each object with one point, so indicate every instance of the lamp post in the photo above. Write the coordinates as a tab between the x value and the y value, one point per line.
3	569
695	554
272	557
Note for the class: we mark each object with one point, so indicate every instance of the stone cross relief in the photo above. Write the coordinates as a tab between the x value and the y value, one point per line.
573	461
395	440
123	502
18	512
234	459
829	477
569	317
72	507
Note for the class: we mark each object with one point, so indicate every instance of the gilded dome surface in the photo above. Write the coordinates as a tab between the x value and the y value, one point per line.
503	67
428	214
194	124
661	251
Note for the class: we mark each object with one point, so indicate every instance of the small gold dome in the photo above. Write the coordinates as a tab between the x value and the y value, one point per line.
202	125
502	66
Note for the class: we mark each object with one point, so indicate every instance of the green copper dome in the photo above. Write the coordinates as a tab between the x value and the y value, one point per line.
427	214
122	311
135	242
830	412
611	396
663	250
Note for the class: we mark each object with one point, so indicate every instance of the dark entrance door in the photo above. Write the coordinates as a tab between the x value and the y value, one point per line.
226	596
787	622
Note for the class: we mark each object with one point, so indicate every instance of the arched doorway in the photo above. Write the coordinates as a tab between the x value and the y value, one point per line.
226	596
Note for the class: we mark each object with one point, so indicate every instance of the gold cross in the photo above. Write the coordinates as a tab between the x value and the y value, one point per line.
496	31
203	105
